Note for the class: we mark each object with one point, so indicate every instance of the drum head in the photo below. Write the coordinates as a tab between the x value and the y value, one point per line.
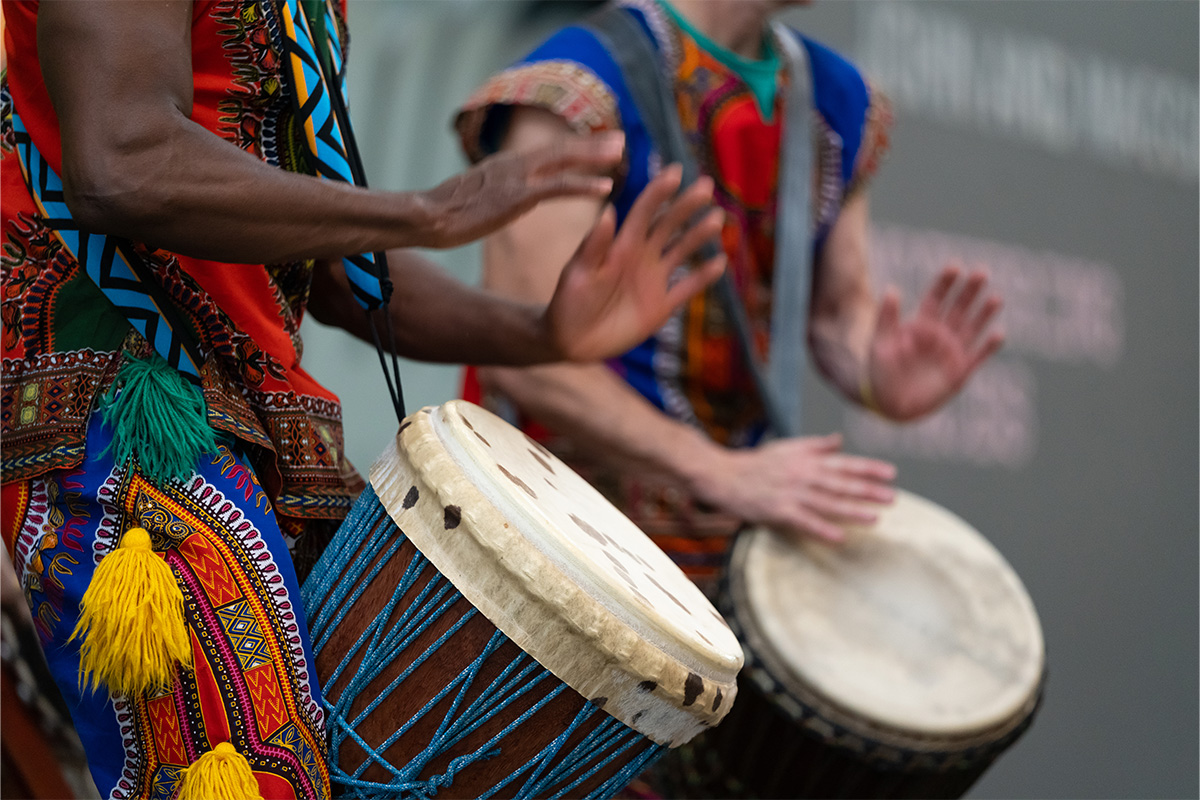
560	570
916	623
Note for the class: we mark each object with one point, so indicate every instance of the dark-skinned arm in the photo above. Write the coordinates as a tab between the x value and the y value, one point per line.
134	164
613	291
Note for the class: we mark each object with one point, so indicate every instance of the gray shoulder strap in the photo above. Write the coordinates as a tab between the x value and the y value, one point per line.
638	59
793	240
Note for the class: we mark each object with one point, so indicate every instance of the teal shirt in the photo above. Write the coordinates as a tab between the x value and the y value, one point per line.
761	76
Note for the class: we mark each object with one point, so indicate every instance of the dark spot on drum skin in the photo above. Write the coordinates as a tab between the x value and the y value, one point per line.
545	464
620	567
411	498
551	485
480	436
668	594
466	421
453	517
404	425
637	717
705	638
717	700
632	555
518	482
537	445
693	687
647	686
599	702
590	531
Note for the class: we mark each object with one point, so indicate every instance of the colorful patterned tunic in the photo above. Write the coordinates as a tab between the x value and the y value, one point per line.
62	342
691	368
225	530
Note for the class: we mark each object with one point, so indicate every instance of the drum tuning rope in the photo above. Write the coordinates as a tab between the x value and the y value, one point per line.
556	770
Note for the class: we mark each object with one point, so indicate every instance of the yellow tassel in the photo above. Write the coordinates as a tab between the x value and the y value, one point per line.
131	621
220	774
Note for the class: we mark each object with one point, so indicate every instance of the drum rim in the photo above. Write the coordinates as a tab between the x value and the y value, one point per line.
522	592
836	723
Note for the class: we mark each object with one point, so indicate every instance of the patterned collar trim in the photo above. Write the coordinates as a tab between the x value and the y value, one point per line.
666	33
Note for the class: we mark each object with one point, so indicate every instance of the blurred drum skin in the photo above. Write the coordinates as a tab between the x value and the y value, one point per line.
487	625
901	663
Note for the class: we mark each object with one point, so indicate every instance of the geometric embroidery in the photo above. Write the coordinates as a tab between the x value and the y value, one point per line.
290	739
164	721
210	568
269	709
166	781
242	629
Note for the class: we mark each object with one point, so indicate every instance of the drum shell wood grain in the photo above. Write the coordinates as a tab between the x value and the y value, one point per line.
451	659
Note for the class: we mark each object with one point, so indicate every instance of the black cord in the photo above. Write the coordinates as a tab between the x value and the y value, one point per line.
392	378
394	388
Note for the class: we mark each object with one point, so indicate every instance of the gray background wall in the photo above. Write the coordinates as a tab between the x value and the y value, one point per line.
1057	142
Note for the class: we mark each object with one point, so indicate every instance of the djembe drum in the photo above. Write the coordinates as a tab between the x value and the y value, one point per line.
486	625
898	664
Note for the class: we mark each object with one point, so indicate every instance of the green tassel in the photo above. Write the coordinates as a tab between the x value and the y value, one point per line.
159	417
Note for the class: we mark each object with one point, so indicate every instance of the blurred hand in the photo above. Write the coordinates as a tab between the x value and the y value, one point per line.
800	487
615	292
916	365
502	187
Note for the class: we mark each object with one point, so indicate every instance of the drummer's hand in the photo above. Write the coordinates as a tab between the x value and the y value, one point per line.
802	487
615	292
504	186
916	365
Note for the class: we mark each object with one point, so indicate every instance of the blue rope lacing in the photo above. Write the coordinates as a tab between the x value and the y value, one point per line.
365	543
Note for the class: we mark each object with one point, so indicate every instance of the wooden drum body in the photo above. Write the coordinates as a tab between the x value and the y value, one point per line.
899	664
485	624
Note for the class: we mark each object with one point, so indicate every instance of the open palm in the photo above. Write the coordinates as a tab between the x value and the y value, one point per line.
618	290
916	365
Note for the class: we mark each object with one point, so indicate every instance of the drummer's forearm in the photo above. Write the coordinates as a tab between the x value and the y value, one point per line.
436	317
439	318
606	418
844	307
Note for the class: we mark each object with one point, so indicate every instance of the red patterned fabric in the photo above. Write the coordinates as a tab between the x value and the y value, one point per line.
253	681
691	369
62	341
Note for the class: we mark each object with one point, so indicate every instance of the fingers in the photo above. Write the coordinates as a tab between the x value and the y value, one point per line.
595	245
888	318
696	280
829	443
680	211
863	488
960	308
935	298
694	238
569	166
831	502
974	328
839	510
658	191
811	524
989	347
599	153
566	184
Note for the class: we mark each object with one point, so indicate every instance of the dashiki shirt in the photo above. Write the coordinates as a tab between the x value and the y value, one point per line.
691	368
278	472
62	341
